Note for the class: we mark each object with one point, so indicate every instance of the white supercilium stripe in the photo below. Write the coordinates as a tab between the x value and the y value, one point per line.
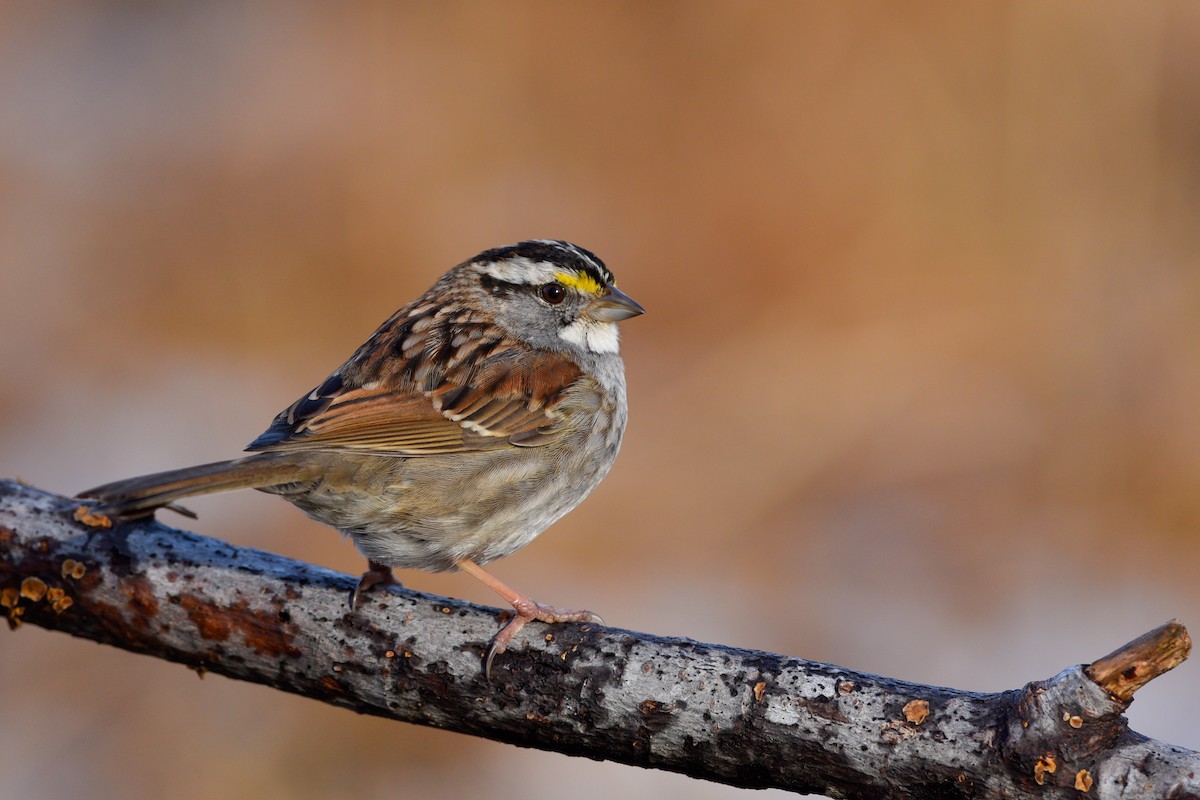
519	269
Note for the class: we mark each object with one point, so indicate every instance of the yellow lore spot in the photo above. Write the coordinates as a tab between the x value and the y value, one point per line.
580	282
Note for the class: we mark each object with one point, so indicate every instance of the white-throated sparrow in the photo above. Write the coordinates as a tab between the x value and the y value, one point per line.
469	422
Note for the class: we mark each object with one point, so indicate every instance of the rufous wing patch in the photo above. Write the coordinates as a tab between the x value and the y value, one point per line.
504	397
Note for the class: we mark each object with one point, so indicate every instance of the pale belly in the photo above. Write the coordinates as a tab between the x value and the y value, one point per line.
433	511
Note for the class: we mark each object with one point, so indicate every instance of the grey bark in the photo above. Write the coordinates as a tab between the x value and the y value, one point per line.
743	717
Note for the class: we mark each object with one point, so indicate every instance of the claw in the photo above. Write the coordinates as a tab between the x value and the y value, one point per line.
375	575
526	610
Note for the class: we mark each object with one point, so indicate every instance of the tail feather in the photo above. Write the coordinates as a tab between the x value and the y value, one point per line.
140	496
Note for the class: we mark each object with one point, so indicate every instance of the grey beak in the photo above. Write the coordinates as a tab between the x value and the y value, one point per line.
614	307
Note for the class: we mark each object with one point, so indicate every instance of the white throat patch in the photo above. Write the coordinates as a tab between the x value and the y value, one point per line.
598	337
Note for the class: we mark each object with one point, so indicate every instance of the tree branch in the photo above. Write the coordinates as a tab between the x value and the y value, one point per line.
742	717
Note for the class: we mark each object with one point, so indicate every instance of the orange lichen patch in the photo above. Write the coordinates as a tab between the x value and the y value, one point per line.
260	630
84	514
651	708
55	594
845	687
390	654
73	569
894	731
915	711
141	597
62	604
1046	765
33	588
14	617
760	689
1083	780
9	597
1075	721
210	623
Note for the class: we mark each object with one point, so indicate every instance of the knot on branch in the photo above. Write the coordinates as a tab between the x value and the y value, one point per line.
1059	730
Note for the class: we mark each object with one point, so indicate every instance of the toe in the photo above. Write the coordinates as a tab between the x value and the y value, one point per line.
500	642
375	575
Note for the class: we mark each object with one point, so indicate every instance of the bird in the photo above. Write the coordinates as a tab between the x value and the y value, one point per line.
468	423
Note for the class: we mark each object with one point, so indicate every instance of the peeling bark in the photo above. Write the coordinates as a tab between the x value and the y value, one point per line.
742	717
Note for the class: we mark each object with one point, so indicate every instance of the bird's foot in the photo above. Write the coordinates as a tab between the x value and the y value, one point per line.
375	575
528	610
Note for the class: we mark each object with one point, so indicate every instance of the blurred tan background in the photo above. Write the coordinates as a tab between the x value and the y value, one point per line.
917	392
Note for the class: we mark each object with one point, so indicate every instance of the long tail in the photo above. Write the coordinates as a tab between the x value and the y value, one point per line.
136	497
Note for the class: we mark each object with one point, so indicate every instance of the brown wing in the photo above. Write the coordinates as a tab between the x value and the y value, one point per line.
507	399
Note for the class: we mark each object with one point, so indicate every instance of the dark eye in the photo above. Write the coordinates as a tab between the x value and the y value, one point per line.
552	293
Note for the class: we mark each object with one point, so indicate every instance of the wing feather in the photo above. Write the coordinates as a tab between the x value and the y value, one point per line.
509	399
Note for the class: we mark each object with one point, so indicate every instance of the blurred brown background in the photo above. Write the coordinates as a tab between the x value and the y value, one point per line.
917	392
